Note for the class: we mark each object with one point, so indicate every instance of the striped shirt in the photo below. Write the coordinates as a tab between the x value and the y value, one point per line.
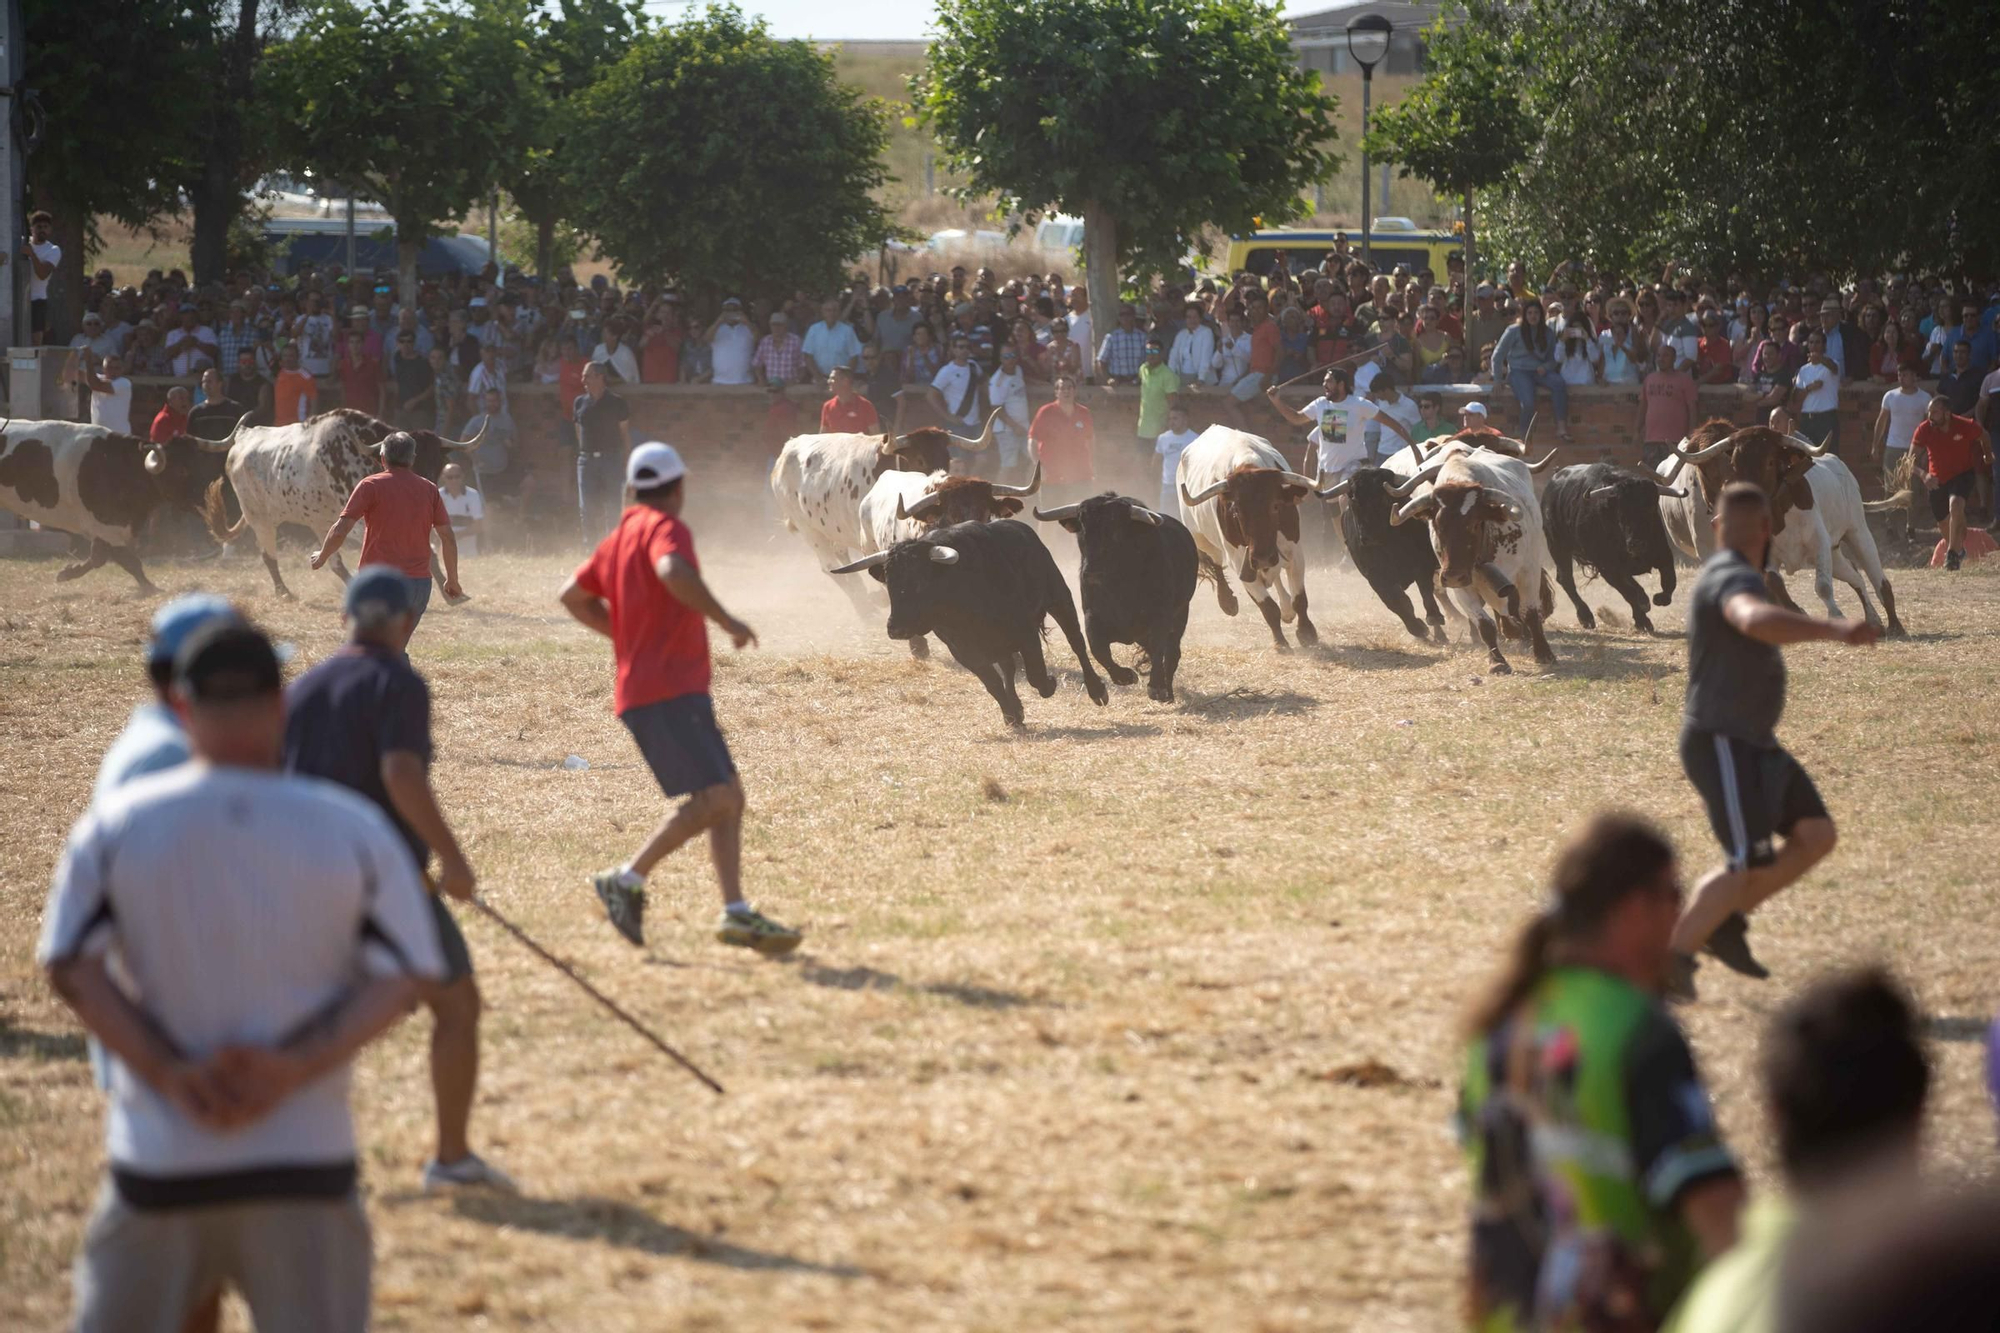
238	906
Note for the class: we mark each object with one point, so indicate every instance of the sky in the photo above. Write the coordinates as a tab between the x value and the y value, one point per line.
876	19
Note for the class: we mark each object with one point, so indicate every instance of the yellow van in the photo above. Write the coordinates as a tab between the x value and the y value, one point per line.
1391	241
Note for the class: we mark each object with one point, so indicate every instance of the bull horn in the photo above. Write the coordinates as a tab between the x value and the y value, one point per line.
1208	493
944	555
1059	513
1146	516
1899	500
985	440
1294	479
221	446
1547	459
1703	455
1340	487
472	443
156	462
865	562
924	505
1807	447
1401	489
1672	492
1409	511
1034	484
1500	444
1612	490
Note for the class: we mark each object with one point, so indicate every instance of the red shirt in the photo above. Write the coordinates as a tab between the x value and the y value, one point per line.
1713	354
360	382
168	424
1264	348
659	361
1670	406
858	418
1062	442
1950	452
400	509
660	643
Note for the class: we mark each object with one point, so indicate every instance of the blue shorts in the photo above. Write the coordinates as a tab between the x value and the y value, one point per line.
420	598
681	743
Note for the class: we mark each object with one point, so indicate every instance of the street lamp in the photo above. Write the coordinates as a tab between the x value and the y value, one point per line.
1367	43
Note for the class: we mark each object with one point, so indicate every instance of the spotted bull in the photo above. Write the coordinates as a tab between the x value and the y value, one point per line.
819	482
1486	528
303	473
1137	578
1608	519
101	485
984	589
1240	502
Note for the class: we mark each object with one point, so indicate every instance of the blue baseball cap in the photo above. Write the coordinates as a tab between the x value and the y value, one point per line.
376	591
176	622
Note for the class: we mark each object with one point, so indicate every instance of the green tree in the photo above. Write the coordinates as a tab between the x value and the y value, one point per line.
100	157
572	44
1463	129
713	154
1150	119
411	106
226	40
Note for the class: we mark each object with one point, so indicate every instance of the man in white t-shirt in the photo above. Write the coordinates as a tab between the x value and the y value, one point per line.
315	338
954	391
1007	389
1392	404
1336	418
1080	325
466	507
1192	356
732	343
1902	412
1168	448
110	392
1817	390
42	255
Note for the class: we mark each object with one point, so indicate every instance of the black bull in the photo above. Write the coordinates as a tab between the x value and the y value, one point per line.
1137	576
1608	519
984	590
1390	556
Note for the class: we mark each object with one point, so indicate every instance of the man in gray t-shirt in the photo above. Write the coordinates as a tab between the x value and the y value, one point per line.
1764	809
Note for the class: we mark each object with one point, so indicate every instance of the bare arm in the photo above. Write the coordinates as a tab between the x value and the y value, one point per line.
448	557
41	266
1396	426
1881	433
1710	1211
85	985
1767	622
684	581
587	607
408	783
335	535
258	1078
1293	415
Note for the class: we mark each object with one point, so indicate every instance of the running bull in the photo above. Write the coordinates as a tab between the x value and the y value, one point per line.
902	505
1608	519
984	589
1137	578
1240	502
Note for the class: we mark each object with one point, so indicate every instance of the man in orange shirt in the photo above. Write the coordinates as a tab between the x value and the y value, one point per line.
173	417
1955	455
846	412
296	394
1263	372
402	510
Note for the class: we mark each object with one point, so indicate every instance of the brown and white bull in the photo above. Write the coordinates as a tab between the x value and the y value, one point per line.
819	482
304	472
101	485
1240	502
1486	528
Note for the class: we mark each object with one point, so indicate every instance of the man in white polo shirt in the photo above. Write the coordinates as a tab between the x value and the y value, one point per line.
264	928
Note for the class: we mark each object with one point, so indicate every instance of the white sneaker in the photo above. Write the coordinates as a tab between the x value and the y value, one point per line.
469	1170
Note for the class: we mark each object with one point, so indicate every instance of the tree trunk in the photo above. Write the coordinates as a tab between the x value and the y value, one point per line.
545	245
1471	285
407	251
218	194
1100	272
66	284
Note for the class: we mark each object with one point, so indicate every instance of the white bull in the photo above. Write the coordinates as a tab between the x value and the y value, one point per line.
1241	503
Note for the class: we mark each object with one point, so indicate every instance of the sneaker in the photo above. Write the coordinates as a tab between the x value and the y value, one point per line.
754	930
1730	946
1952	559
1680	979
469	1171
626	907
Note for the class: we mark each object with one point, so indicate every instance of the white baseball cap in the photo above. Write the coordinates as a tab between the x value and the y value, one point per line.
653	464
1477	409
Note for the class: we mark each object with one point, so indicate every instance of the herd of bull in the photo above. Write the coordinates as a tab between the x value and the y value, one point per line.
1462	517
1461	520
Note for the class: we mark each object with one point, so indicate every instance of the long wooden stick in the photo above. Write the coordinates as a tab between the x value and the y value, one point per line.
1362	355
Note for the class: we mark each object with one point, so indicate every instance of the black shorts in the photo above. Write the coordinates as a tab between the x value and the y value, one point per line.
451	942
1964	485
38	316
681	743
1752	793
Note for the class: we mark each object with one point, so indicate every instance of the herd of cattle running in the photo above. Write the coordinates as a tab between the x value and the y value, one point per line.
1467	516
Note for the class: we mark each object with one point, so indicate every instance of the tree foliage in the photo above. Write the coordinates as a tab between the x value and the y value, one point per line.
715	155
409	104
1152	119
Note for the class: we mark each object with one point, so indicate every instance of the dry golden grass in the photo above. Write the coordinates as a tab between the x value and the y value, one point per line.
1141	1019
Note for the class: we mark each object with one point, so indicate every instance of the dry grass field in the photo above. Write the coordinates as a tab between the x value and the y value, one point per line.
1140	1019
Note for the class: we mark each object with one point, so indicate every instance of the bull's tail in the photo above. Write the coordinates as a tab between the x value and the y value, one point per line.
777	470
215	513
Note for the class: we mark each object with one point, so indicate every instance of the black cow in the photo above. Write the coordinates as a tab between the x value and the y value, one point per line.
1607	518
1137	577
984	590
1390	556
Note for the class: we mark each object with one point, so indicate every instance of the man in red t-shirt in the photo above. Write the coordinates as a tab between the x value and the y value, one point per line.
1062	437
642	589
401	510
1955	455
846	412
172	420
360	374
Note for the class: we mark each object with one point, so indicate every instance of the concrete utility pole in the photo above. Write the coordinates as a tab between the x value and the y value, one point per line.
13	301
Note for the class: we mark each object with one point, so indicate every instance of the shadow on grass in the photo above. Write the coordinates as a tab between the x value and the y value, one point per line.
621	1224
1947	1027
24	1044
815	973
1363	657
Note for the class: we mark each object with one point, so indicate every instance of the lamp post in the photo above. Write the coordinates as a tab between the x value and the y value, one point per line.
1367	43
